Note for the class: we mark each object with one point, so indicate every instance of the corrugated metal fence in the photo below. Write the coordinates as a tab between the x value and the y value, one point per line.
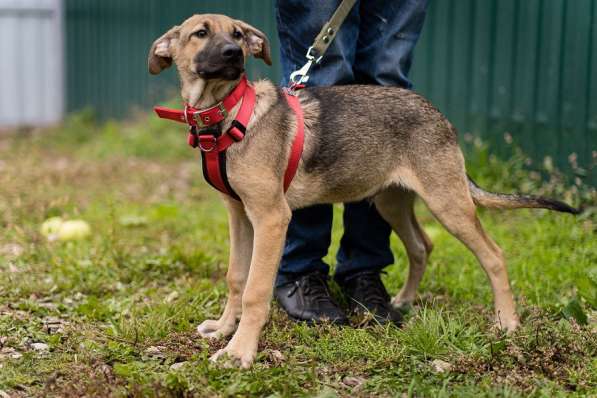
31	71
526	67
108	41
492	66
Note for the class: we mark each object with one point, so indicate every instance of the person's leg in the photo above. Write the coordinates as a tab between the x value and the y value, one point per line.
365	244
301	285
307	242
388	33
387	36
299	22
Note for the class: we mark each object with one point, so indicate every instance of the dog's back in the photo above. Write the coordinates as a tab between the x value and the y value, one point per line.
352	126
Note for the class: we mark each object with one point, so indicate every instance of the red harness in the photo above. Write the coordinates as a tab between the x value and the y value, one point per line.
204	133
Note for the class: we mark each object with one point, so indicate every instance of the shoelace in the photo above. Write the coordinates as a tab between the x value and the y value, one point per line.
373	290
314	286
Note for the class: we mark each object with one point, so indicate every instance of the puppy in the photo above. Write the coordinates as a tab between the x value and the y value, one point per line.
383	143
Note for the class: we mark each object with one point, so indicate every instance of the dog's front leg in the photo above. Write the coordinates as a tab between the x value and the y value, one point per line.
270	221
241	247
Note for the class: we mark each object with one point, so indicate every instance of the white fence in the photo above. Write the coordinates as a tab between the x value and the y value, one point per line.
31	62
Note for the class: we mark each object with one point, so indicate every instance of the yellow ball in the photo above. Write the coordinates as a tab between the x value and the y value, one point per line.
51	226
73	230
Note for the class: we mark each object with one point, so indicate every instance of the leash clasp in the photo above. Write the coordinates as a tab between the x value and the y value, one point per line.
301	76
312	55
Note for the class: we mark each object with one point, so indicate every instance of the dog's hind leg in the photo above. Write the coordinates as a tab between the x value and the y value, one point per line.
241	247
446	192
396	206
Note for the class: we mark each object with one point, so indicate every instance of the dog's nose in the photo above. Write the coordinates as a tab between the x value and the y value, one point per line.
231	51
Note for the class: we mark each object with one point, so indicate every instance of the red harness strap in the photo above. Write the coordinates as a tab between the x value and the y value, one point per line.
213	145
213	148
205	117
297	145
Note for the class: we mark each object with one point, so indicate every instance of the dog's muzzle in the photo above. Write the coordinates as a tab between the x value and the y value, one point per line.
221	62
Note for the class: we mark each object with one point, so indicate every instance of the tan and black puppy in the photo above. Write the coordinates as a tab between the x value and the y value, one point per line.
383	143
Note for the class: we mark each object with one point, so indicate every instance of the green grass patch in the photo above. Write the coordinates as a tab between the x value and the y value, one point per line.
114	314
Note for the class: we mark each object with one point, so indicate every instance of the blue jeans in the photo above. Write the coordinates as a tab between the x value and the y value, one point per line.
374	46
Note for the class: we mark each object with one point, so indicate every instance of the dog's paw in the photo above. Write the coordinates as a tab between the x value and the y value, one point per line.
212	329
402	304
230	357
507	325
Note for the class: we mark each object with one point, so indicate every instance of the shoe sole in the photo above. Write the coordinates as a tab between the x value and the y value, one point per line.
313	322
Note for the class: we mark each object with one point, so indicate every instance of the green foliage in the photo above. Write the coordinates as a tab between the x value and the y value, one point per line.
519	173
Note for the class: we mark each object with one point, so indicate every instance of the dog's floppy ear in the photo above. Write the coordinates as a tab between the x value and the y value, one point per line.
160	53
257	42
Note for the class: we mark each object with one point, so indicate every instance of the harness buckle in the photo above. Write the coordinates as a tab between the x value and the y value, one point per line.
222	110
207	143
198	121
205	121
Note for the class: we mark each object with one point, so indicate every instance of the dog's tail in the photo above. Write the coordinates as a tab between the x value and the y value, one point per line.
516	201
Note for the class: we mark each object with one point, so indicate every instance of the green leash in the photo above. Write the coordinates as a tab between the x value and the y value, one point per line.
322	42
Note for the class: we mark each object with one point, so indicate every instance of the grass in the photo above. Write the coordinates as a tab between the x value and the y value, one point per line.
116	311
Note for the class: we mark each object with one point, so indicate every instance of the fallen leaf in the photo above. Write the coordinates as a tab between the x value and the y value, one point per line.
171	297
278	355
440	366
353	381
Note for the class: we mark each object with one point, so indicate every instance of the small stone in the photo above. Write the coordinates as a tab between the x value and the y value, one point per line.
352	381
40	346
152	350
4	394
177	365
440	366
155	352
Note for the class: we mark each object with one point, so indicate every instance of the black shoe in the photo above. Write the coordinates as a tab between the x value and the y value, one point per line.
308	299
366	293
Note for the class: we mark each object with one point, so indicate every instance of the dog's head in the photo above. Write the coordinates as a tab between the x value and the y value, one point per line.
208	47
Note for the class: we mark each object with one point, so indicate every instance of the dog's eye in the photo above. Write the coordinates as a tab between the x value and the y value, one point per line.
200	33
237	34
